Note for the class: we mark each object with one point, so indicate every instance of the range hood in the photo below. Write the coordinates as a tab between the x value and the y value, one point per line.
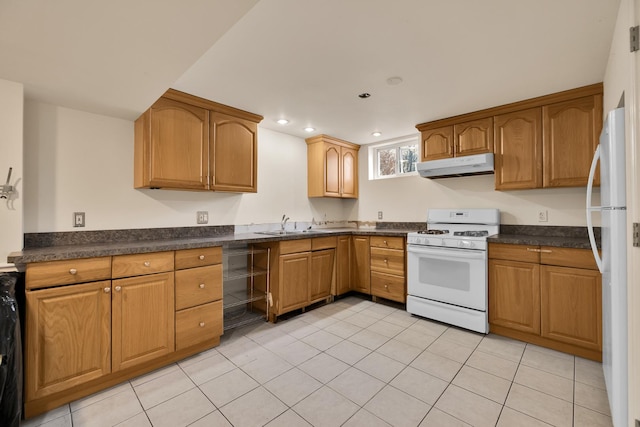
478	164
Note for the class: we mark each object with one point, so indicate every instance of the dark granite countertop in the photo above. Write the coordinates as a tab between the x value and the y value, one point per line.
98	249
556	241
557	236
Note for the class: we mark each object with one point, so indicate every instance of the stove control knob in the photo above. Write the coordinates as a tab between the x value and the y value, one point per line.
444	242
424	241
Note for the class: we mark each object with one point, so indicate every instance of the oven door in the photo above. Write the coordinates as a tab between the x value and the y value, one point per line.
453	276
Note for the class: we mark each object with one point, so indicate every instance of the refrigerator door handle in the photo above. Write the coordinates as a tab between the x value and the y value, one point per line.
590	209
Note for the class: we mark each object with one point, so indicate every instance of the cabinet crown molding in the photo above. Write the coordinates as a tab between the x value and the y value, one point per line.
177	95
326	138
539	101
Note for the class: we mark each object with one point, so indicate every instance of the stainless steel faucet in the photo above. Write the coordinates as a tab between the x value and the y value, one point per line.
283	223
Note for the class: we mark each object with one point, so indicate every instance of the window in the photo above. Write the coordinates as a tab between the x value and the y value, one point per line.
394	158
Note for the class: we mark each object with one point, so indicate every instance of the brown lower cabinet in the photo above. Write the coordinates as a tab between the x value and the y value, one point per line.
360	264
93	323
548	296
301	273
372	265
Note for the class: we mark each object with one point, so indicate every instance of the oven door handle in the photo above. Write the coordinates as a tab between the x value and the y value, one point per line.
450	253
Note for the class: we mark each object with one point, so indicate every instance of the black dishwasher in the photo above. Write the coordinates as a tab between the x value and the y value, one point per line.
10	351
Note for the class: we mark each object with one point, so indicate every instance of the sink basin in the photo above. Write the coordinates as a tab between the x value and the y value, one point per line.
287	232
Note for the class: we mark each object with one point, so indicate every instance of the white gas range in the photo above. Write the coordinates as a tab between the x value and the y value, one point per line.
447	267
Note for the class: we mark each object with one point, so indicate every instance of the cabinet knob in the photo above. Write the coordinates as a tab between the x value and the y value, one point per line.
386	286
72	271
202	324
201	285
147	263
118	288
107	290
386	261
201	257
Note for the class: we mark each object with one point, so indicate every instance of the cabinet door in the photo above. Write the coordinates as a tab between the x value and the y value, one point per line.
177	153
474	137
360	262
234	154
572	306
570	136
514	295
332	167
68	337
142	323
518	149
343	264
437	143
293	281
321	274
349	173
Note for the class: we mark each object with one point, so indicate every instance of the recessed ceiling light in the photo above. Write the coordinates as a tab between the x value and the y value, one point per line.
364	95
309	129
282	121
376	133
394	81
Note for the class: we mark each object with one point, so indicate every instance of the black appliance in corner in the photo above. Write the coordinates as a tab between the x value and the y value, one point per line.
10	351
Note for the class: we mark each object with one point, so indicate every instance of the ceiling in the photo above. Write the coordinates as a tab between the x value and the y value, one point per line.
306	60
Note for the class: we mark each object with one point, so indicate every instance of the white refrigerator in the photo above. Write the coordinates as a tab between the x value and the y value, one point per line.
613	264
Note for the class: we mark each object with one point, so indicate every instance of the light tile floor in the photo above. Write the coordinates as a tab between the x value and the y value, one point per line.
354	363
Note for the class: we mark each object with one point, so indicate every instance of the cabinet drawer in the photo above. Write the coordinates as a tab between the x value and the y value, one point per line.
293	246
388	286
319	243
141	264
524	253
189	258
52	273
197	286
387	242
198	324
568	257
387	261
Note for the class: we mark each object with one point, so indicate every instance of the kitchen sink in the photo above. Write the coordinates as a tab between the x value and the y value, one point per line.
288	232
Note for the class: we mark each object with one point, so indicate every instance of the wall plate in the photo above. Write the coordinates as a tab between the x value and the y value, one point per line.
78	219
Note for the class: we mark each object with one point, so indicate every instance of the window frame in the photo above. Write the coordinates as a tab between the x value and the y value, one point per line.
396	143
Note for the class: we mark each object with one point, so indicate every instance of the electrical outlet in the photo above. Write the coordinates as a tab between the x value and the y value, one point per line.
78	219
202	217
543	216
379	214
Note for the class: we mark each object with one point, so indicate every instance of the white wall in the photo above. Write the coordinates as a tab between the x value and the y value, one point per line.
408	198
11	116
78	161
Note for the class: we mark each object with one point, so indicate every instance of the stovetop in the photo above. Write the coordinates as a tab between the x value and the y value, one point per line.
466	228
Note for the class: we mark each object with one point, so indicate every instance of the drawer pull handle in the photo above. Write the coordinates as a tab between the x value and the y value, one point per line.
107	290
72	271
202	324
147	263
201	285
385	242
118	288
544	251
201	257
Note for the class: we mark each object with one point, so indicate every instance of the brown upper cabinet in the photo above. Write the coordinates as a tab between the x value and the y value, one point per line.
541	142
460	139
332	167
184	142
